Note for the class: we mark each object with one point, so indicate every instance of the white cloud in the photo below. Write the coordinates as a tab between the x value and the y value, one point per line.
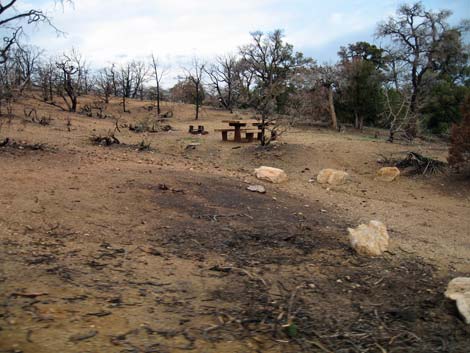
177	29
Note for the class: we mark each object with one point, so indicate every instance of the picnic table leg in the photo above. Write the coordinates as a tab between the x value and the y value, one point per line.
238	134
224	135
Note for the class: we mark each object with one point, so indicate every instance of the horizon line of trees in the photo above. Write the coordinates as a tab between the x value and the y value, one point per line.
416	82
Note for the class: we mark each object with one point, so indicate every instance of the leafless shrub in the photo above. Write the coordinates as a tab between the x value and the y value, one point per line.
45	120
68	121
30	113
149	124
415	163
105	140
86	110
144	146
397	114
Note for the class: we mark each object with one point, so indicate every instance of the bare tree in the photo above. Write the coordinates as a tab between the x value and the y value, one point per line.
85	79
124	79
158	73
271	61
139	75
46	79
416	34
12	21
71	67
328	78
5	87
397	113
195	74
105	82
114	79
306	103
223	79
26	60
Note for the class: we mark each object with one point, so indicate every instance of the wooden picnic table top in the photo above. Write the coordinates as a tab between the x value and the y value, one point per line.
231	130
259	123
240	121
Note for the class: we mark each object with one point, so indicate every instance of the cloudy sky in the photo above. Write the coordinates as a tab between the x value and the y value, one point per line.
175	30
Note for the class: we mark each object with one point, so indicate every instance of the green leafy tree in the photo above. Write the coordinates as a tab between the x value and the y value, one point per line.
442	106
361	88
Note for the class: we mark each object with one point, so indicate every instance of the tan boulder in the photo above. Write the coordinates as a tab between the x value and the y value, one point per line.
457	286
388	173
273	175
332	176
463	306
369	239
459	290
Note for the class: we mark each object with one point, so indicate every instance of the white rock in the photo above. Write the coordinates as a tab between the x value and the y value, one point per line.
273	175
257	188
459	290
463	305
388	173
369	239
457	287
332	176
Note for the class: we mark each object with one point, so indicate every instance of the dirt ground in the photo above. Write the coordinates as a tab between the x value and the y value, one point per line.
112	249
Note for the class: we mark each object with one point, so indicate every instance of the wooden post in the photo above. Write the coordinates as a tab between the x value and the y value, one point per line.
238	133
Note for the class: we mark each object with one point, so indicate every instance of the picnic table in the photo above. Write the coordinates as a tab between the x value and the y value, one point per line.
236	126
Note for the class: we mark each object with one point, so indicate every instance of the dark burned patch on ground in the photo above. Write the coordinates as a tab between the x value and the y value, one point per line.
378	305
223	218
289	274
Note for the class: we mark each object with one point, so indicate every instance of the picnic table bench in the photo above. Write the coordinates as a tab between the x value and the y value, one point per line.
239	126
248	134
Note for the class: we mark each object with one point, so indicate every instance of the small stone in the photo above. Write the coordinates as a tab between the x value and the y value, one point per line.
256	188
369	239
83	336
388	174
192	146
332	177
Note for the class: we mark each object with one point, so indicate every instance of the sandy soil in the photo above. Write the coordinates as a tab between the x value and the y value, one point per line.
112	249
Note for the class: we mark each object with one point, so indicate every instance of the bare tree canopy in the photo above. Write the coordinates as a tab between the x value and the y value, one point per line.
12	22
271	61
223	78
72	68
195	74
158	74
419	37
